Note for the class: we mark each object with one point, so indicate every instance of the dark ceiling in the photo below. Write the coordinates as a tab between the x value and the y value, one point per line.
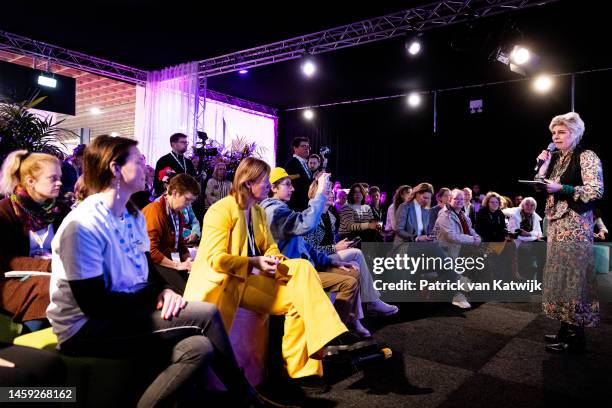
569	35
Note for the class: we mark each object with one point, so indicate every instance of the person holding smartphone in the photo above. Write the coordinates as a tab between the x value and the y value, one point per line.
288	228
323	239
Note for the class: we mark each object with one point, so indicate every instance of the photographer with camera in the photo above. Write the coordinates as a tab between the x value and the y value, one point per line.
175	160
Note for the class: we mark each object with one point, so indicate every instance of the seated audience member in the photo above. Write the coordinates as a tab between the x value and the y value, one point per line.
525	224
468	208
356	218
191	226
402	195
323	240
442	198
238	264
600	230
72	168
379	213
217	187
80	191
477	197
490	220
527	221
30	215
164	221
314	165
108	301
412	217
491	226
518	199
453	229
505	202
288	227
341	197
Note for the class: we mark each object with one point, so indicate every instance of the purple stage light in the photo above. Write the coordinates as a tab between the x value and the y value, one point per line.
243	71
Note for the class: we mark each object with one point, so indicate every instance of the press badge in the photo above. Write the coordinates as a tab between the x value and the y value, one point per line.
176	257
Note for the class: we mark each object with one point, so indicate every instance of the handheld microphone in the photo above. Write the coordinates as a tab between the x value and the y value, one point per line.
551	148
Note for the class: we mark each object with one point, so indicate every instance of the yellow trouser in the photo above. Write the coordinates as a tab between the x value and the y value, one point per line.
310	318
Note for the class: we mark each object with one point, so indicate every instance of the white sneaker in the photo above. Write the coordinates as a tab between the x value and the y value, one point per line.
360	330
464	280
380	308
460	301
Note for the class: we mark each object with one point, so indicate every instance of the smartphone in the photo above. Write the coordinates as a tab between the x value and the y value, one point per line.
356	241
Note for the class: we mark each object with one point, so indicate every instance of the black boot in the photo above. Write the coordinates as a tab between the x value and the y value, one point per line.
574	342
560	336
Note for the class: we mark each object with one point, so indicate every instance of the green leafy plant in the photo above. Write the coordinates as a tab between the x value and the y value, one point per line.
22	129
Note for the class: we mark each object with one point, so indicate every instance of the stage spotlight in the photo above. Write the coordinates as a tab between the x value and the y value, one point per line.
308	114
95	111
413	45
115	134
520	55
542	83
243	71
309	68
520	59
414	99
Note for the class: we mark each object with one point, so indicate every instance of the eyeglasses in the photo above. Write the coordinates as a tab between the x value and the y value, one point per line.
305	147
285	183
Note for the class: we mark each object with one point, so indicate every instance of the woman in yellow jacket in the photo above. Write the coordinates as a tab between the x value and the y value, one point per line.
238	264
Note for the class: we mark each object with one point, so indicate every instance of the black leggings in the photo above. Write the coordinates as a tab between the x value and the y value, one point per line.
190	342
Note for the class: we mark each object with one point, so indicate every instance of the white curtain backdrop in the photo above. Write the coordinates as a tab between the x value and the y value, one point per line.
228	123
165	106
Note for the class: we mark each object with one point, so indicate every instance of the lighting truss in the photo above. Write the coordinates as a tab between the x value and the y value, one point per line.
37	49
416	19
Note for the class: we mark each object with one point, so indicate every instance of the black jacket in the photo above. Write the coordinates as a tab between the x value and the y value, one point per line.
169	161
299	198
491	226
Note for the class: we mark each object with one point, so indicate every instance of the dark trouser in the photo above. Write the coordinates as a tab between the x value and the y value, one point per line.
189	343
178	279
33	368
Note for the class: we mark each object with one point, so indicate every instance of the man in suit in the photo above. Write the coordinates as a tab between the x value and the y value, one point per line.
412	217
175	160
298	165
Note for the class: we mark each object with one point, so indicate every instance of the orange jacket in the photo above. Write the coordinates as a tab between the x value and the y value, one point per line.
161	232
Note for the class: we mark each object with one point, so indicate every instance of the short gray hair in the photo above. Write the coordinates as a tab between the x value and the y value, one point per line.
455	192
573	122
528	200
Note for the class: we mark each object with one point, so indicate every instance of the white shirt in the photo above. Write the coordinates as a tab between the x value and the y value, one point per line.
419	217
87	245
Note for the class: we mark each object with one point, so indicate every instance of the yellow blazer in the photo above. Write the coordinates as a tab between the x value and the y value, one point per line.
220	269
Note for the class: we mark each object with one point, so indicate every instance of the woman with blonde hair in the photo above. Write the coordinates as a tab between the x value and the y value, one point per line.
29	218
238	264
108	301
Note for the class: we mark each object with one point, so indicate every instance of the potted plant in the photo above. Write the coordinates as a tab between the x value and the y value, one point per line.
21	128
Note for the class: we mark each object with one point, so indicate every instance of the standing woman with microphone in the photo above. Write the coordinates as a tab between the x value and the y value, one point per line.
574	180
